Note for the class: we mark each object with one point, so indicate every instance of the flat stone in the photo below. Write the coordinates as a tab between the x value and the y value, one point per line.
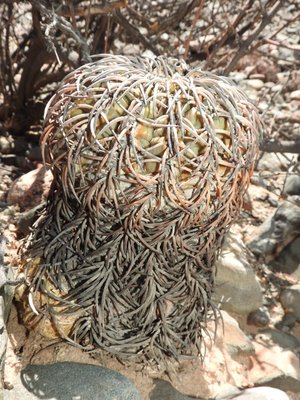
256	84
164	391
275	367
283	339
295	95
275	161
292	185
71	381
290	300
288	261
6	297
237	287
235	340
259	317
260	393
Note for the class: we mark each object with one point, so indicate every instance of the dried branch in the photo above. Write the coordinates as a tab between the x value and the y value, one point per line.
133	31
245	45
93	10
282	146
196	18
58	22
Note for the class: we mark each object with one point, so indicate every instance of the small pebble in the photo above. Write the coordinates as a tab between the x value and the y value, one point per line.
288	321
256	84
295	95
292	185
259	317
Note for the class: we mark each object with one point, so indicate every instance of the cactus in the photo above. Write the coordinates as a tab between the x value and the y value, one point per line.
150	160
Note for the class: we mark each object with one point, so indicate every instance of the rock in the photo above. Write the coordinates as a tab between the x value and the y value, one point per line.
288	261
17	161
276	232
237	76
30	189
27	218
235	340
227	392
290	300
164	36
149	54
260	393
292	185
288	322
276	88
259	317
256	84
275	367
6	297
35	154
164	391
236	284
5	145
295	95
275	162
131	49
274	336
68	380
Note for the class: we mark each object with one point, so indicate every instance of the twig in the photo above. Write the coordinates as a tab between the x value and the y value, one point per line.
93	10
245	44
133	31
56	21
282	146
229	34
280	44
196	18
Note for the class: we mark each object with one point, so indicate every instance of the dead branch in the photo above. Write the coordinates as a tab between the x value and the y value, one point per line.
133	31
196	17
245	45
282	146
59	22
93	10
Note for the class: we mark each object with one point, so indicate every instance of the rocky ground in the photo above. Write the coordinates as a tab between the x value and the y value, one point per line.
255	354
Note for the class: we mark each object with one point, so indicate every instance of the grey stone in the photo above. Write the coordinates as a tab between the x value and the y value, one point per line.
6	296
288	261
71	381
237	287
292	185
283	339
255	84
260	393
284	382
275	162
277	231
290	300
235	340
259	317
288	321
165	391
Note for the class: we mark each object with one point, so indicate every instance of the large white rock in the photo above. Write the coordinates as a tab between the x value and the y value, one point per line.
237	287
274	366
236	342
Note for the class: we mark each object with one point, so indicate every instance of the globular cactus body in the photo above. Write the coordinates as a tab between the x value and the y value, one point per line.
150	161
